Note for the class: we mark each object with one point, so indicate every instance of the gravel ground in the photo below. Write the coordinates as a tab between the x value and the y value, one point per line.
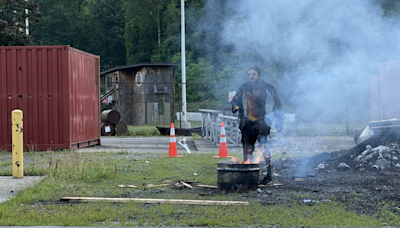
338	176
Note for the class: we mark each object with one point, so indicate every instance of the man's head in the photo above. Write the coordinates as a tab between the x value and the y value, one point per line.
254	73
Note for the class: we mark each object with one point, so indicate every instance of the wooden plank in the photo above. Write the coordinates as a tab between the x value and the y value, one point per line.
143	200
156	186
186	184
269	185
206	186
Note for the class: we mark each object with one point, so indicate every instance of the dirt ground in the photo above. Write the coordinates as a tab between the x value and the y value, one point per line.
362	186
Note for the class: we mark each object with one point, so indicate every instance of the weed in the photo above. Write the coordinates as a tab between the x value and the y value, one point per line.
196	136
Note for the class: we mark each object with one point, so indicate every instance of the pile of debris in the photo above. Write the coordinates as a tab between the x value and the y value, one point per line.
178	184
381	152
381	157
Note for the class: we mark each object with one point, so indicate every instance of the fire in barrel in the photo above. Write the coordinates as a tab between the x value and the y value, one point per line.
236	177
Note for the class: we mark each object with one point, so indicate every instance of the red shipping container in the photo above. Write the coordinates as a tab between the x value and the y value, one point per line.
58	90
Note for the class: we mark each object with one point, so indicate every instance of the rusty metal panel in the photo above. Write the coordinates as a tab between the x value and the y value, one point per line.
84	96
57	88
388	92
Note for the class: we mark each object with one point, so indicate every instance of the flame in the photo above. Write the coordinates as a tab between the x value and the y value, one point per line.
257	160
257	156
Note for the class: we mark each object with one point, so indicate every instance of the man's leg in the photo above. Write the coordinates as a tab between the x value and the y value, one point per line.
248	149
267	158
248	142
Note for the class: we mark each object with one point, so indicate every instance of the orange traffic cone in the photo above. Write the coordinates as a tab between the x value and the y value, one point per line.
172	143
223	147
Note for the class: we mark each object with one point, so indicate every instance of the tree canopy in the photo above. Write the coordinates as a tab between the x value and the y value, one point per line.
12	22
133	31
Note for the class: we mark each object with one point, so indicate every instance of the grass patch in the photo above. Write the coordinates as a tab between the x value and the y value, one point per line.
151	130
98	174
142	131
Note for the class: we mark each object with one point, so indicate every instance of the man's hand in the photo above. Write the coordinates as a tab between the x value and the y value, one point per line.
279	125
235	107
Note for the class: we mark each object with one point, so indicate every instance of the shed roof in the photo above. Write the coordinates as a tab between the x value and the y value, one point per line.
138	65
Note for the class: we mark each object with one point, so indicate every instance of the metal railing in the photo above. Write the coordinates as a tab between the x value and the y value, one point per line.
211	127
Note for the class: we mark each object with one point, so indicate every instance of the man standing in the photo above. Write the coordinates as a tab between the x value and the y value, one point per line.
256	125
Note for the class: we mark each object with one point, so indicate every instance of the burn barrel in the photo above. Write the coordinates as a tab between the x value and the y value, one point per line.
120	128
235	177
107	129
111	116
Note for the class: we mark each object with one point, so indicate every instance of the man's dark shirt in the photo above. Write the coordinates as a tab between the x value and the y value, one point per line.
256	96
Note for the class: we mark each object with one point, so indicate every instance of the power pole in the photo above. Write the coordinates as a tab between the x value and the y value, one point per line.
185	124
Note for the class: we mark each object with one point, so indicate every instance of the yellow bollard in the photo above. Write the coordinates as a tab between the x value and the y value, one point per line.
17	144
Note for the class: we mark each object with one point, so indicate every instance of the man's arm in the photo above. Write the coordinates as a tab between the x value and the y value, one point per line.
237	105
237	100
277	109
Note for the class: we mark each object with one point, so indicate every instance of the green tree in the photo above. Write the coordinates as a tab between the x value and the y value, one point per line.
12	22
95	26
108	21
171	42
64	23
140	39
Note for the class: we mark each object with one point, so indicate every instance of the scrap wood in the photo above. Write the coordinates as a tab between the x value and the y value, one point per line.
206	186
299	179
186	184
132	186
121	186
156	186
175	181
269	185
139	200
177	185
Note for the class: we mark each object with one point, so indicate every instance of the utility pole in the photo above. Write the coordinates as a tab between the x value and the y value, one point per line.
26	20
185	124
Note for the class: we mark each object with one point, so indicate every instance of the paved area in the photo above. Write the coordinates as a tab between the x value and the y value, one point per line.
161	144
9	186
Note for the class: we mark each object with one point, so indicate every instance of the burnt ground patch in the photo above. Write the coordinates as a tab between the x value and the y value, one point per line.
362	185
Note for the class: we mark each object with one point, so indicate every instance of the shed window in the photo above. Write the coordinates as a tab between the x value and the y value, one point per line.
109	82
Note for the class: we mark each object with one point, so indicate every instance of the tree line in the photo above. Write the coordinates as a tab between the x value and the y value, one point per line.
126	32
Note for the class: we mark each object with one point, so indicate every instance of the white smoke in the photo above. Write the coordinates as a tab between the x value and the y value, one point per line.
327	49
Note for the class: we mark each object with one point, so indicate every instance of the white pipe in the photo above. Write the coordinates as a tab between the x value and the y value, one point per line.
183	61
26	20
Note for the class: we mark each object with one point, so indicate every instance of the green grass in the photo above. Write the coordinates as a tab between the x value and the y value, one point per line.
98	174
151	130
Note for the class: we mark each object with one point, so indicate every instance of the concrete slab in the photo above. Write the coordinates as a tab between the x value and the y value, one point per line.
161	144
137	144
9	186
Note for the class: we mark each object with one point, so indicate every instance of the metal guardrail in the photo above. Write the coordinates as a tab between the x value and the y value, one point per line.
211	127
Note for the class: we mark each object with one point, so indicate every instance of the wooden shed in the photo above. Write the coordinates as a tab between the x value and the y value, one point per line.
143	93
